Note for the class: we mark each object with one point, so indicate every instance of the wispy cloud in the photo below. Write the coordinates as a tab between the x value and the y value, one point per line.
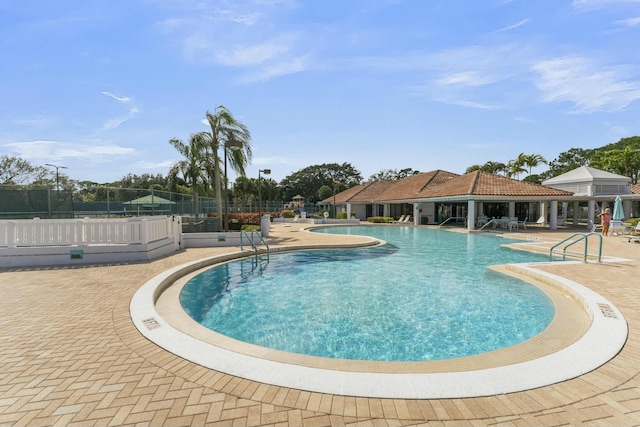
514	26
115	122
43	150
148	165
253	54
631	22
589	87
117	97
599	4
465	78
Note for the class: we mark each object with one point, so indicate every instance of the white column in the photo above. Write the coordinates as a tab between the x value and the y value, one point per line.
348	210
565	210
591	211
553	215
626	208
416	213
471	217
543	212
576	213
512	209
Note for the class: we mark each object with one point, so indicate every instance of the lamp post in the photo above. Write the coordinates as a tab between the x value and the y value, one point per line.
266	172
234	145
57	174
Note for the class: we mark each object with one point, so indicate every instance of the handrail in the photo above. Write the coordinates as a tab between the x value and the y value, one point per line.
581	237
244	233
454	217
491	221
250	239
262	240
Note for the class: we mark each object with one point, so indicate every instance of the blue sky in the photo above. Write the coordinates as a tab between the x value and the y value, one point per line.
101	86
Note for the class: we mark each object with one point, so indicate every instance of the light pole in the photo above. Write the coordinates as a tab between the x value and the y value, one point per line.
233	145
266	172
57	174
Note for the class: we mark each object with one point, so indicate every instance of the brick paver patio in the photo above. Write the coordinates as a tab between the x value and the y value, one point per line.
70	355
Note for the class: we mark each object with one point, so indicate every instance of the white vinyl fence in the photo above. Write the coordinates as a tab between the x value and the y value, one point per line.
64	241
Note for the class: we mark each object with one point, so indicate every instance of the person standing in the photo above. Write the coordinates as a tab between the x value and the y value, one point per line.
605	217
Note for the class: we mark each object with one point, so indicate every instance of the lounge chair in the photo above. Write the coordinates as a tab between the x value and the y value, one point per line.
631	233
541	221
593	227
407	219
401	219
295	219
521	223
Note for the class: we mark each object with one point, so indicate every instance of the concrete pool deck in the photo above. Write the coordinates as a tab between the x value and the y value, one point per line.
70	354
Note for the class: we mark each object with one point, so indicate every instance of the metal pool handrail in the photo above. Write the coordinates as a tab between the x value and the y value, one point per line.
580	237
250	239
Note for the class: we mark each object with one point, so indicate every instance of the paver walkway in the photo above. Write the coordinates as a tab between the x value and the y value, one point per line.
70	355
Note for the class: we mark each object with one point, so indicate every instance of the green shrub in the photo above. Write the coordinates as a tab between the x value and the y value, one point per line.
287	214
380	219
633	221
249	228
342	215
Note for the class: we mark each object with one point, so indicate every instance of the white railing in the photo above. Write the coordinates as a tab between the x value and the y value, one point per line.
82	232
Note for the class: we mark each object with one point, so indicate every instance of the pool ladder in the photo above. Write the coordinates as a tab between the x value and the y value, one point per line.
250	239
576	238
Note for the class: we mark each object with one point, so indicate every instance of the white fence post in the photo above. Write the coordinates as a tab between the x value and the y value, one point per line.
144	232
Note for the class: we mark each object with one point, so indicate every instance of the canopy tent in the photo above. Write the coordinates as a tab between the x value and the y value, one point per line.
149	201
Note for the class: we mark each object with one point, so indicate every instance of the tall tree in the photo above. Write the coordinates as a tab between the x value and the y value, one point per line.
393	174
568	161
516	167
532	161
192	168
624	162
17	171
245	189
490	167
306	182
225	131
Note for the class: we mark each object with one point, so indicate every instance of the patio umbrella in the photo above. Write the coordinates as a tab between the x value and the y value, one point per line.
618	211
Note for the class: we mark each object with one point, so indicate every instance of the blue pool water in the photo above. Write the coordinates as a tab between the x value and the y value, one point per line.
425	295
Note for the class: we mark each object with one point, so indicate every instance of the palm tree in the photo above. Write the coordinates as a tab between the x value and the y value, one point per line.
532	160
192	167
514	168
245	188
226	129
493	167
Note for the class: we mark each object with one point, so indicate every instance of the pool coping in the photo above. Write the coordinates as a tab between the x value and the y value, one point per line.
602	341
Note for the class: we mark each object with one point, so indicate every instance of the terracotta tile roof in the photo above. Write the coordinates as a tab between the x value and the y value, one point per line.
416	186
366	192
485	184
635	189
441	183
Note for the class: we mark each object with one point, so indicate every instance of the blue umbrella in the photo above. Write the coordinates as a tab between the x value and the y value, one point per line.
618	211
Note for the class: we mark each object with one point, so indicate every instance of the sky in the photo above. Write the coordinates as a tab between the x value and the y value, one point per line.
100	87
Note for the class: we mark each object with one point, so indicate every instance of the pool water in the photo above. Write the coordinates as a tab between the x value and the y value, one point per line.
425	295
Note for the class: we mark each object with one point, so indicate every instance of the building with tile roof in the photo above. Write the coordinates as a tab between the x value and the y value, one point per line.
433	197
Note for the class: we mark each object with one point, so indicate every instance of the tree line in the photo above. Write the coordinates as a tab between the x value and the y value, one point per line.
200	171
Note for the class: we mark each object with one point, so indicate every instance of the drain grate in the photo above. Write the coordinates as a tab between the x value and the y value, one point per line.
151	323
607	311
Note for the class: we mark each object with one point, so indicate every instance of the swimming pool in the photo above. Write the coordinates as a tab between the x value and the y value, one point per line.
586	332
425	295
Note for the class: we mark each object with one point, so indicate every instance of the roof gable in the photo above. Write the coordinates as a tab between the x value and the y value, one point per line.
478	183
586	174
416	186
365	192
